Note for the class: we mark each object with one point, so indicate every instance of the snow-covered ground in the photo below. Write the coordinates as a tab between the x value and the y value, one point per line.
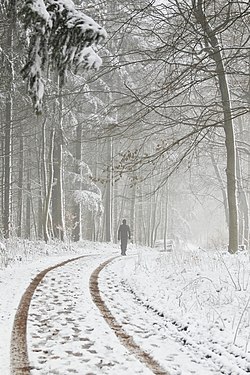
189	309
197	299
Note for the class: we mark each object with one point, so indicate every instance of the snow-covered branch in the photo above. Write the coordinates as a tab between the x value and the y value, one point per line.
58	33
90	200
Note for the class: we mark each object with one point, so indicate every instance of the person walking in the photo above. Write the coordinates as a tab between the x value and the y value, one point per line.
123	236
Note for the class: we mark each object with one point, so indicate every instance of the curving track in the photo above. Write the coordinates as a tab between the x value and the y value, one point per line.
172	342
20	364
108	292
125	339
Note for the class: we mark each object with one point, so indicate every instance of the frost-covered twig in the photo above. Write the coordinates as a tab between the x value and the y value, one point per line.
241	317
230	275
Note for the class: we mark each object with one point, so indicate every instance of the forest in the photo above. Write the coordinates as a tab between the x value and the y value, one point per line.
125	109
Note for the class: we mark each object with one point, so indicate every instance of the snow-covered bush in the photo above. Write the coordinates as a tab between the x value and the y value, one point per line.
201	288
19	250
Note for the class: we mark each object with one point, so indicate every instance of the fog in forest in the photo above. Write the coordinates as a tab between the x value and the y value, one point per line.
113	110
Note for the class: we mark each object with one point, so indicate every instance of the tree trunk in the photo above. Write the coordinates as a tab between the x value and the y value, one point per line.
8	120
20	189
231	159
216	55
48	189
41	172
222	187
165	233
28	207
243	208
108	206
40	212
7	166
57	189
116	220
2	176
76	206
132	211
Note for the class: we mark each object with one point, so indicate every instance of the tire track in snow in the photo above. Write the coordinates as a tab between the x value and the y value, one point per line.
19	360
222	359
125	339
225	359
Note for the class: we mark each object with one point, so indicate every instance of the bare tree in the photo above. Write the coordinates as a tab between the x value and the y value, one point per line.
190	61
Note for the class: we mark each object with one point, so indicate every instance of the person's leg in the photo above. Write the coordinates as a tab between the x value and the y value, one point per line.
122	248
125	246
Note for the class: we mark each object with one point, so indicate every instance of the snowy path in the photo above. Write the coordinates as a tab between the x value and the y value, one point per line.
68	335
18	351
126	339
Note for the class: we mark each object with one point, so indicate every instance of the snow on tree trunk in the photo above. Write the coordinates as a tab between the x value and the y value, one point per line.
48	187
76	207
57	189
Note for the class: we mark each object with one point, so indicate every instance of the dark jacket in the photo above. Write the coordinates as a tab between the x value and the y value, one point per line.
124	232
